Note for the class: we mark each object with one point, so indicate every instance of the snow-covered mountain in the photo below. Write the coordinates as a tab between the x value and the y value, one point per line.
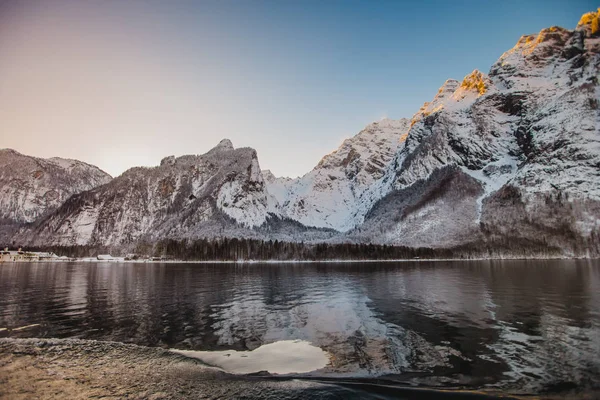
512	156
32	187
220	193
335	194
179	195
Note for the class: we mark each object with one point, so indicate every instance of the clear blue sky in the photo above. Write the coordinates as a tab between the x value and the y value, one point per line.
124	83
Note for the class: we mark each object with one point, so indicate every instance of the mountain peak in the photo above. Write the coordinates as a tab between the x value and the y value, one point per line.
449	84
475	81
224	145
590	22
8	151
540	46
444	92
169	160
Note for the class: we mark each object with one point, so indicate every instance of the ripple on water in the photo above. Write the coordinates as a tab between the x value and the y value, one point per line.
523	324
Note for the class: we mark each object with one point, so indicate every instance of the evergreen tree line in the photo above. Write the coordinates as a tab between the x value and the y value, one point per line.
233	249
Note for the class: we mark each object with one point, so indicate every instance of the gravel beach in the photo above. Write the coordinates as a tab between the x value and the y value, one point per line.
84	369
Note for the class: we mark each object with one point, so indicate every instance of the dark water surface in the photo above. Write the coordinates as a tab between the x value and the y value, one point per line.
526	326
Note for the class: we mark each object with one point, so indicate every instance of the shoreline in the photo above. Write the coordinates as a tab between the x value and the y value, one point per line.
79	369
76	368
370	261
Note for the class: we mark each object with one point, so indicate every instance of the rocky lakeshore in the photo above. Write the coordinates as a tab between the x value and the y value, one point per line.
83	369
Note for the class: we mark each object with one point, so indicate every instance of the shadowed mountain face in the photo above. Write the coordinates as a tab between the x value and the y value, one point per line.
513	154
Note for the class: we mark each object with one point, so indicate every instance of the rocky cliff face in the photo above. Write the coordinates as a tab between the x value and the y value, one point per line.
32	187
182	197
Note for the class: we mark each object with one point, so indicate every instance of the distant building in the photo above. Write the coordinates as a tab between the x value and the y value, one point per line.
13	255
5	255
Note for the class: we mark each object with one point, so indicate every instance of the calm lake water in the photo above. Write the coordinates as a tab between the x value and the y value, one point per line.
531	326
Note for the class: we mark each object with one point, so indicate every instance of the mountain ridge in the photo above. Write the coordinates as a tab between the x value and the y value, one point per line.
527	132
514	153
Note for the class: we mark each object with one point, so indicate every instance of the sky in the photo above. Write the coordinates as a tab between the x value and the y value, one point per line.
123	83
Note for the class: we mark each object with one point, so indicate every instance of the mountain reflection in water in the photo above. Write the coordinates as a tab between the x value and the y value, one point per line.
514	325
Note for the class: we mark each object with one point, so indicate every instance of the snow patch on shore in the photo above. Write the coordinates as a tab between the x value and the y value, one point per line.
283	357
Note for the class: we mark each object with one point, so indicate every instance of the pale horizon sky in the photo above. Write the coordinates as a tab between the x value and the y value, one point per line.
120	84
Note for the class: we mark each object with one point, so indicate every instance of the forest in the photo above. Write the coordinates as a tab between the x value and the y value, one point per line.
236	249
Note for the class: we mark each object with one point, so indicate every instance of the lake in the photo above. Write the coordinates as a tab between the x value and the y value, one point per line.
524	326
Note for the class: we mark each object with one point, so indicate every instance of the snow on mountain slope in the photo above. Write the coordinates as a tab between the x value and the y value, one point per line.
278	188
332	194
176	199
31	187
509	155
558	130
527	133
